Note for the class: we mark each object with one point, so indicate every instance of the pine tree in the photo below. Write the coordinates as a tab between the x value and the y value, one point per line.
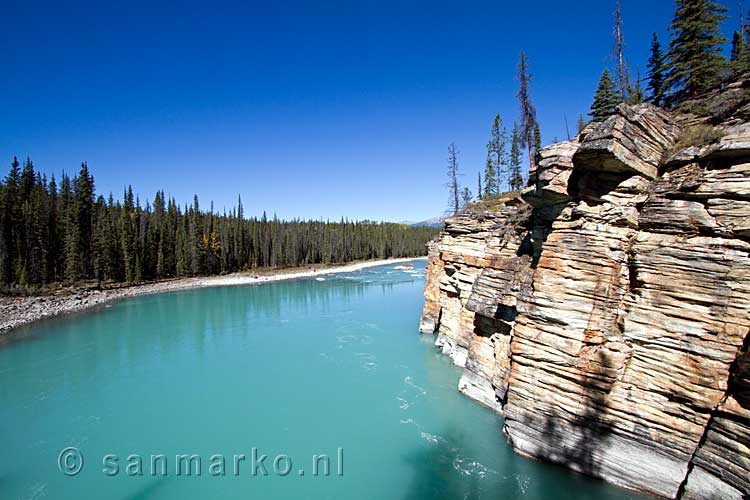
738	45
605	99
496	151
656	72
635	92
743	61
490	179
694	61
66	235
528	111
516	177
454	204
537	142
479	185
11	217
84	214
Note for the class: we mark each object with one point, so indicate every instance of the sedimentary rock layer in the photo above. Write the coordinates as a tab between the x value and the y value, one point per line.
605	314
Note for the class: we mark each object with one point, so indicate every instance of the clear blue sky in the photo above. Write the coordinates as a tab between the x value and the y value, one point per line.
316	109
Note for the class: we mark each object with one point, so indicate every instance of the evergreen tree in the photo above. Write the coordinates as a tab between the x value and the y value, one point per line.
84	213
635	92
10	217
454	204
479	186
516	177
490	179
656	72
738	46
528	111
605	99
496	151
70	234
537	142
694	61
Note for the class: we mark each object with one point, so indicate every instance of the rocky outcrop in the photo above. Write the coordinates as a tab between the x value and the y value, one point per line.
605	313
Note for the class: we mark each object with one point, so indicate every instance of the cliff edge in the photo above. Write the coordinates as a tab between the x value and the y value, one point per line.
605	313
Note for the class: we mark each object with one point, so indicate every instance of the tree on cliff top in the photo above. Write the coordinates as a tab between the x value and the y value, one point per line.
605	99
656	72
694	60
490	184
466	197
623	74
454	204
516	178
528	111
496	151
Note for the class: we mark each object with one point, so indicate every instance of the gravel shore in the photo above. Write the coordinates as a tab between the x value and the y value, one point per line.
17	311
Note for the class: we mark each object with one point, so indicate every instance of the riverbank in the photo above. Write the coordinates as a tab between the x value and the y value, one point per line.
18	311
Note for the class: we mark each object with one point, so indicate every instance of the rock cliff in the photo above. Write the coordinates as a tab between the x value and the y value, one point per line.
605	312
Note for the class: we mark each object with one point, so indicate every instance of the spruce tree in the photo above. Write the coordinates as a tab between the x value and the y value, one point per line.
694	61
635	92
516	177
496	150
490	179
738	45
537	142
605	99
454	203
528	111
656	72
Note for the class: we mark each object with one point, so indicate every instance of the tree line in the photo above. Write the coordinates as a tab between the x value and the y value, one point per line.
503	170
693	62
68	234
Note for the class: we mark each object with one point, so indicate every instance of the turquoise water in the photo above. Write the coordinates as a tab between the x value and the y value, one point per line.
298	368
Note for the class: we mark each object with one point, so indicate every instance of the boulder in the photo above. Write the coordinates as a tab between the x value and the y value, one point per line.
634	140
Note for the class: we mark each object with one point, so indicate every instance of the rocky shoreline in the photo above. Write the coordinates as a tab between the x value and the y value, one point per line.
19	311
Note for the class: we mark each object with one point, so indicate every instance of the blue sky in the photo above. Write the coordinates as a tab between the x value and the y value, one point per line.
313	109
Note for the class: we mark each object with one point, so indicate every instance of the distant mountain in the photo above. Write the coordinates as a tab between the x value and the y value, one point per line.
434	222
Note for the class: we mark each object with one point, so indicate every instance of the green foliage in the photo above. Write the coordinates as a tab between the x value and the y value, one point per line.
528	111
53	235
694	61
454	202
496	155
606	98
490	179
738	46
656	73
635	92
491	204
516	177
698	135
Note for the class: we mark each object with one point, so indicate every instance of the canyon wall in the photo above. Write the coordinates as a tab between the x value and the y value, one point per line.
605	312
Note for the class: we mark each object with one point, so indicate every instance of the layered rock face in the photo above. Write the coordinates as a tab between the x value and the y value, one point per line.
605	313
